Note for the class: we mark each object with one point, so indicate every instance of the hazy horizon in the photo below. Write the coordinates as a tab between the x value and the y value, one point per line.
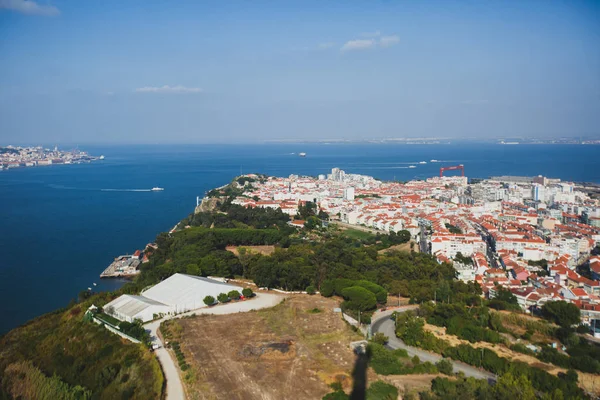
148	72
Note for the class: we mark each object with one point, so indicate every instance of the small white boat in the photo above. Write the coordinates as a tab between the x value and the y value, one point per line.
302	154
422	162
102	157
433	161
412	166
157	189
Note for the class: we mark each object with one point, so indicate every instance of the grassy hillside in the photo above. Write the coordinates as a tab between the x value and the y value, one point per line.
58	355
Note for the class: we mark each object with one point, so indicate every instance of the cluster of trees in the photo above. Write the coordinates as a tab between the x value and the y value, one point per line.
453	229
540	380
474	324
383	241
561	313
409	327
397	362
136	330
226	297
583	357
378	390
240	217
200	251
504	300
539	263
463	259
508	387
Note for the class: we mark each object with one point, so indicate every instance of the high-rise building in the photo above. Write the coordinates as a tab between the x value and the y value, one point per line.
349	193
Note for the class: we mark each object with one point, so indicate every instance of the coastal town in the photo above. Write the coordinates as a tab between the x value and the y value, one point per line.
535	236
30	156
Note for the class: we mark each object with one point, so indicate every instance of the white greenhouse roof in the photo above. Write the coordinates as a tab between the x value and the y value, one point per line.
130	305
181	290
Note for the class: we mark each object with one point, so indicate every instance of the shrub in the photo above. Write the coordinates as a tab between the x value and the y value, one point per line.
562	313
327	288
380	338
445	367
234	295
359	298
311	290
379	292
209	300
380	390
337	395
223	298
247	292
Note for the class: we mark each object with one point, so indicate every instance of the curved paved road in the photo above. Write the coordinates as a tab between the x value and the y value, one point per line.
174	388
384	324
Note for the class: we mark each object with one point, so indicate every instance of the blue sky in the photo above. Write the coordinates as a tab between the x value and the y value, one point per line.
103	71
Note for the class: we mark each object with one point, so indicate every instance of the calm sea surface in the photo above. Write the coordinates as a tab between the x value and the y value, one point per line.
60	226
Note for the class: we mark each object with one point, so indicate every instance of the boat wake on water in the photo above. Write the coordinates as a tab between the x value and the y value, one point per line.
126	190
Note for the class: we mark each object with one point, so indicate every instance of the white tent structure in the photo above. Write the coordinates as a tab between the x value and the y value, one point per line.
129	308
176	294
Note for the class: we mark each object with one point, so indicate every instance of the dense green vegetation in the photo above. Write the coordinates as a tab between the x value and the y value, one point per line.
561	313
474	324
23	380
463	259
509	387
397	362
209	300
240	217
453	229
504	300
409	327
378	390
75	357
295	264
135	330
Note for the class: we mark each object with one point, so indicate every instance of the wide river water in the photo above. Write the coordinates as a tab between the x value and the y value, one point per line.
61	225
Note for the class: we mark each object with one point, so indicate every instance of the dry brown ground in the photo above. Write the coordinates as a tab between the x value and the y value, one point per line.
281	353
401	247
412	383
264	250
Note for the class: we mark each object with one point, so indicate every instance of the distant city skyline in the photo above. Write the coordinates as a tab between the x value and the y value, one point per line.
152	72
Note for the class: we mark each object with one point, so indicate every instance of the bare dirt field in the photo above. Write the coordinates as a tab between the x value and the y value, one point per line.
412	383
264	250
291	351
401	247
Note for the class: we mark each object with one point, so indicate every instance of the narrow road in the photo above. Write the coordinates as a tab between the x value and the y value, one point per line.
174	388
381	322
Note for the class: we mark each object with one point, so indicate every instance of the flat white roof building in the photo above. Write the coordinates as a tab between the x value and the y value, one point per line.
176	294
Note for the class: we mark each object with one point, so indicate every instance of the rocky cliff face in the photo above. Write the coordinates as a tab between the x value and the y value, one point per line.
208	204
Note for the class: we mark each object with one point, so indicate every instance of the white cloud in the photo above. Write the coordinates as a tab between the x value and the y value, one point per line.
358	44
29	7
325	45
168	89
387	41
376	41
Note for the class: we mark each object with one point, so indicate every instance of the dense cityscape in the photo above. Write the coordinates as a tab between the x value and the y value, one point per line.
17	156
526	234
